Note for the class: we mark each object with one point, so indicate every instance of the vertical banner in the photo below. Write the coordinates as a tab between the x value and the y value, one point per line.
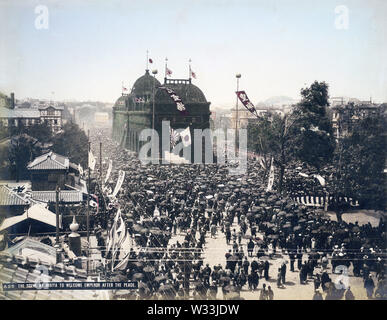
179	103
121	177
246	102
92	161
109	170
271	177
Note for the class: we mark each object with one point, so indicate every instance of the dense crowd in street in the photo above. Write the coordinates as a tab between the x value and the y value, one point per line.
159	203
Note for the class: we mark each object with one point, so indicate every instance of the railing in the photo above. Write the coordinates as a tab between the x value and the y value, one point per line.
319	202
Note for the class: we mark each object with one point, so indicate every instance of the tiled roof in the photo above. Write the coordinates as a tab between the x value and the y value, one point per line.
15	268
11	198
57	107
49	161
69	196
19	113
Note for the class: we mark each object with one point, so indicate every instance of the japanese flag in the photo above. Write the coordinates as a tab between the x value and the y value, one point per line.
193	74
186	137
92	161
168	71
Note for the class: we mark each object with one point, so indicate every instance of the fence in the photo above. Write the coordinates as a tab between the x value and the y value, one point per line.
319	201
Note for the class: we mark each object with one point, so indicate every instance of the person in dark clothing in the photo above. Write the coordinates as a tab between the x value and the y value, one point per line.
299	259
283	273
250	248
266	270
369	285
254	265
317	282
246	265
324	280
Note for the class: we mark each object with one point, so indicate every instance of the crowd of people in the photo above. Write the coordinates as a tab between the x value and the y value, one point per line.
162	202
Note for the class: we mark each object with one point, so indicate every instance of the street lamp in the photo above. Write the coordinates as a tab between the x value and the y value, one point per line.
238	76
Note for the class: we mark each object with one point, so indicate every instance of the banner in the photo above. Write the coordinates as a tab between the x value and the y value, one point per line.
320	179
92	160
109	170
80	170
179	103
246	102
271	177
121	177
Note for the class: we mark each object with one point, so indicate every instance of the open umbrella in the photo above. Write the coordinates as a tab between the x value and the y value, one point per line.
160	278
138	276
149	269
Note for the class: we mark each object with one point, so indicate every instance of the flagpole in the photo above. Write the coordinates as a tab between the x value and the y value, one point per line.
88	206
147	60
238	76
165	71
189	75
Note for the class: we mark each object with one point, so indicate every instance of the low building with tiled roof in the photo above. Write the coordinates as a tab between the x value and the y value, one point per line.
11	202
65	196
51	169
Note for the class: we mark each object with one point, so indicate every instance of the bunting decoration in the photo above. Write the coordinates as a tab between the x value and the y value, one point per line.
109	170
80	170
320	179
179	103
271	177
92	160
121	177
242	96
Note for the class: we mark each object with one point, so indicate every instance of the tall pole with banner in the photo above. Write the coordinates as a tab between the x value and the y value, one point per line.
238	76
88	205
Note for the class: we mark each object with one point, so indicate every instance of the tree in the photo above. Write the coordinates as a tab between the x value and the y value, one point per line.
21	150
360	160
272	137
40	131
314	140
72	142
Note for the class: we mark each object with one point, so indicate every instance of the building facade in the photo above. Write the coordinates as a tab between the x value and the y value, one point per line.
345	116
133	112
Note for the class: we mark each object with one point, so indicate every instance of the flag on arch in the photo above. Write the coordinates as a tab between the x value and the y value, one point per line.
168	71
186	137
193	74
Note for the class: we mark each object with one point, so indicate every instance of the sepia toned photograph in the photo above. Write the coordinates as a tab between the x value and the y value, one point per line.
188	150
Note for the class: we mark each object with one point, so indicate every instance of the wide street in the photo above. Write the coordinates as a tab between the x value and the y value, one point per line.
214	254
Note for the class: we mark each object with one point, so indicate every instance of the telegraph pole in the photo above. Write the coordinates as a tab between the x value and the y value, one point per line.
238	76
57	190
88	205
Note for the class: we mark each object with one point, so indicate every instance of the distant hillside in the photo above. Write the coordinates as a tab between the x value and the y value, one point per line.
279	100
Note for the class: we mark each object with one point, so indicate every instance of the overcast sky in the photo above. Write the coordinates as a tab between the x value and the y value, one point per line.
90	47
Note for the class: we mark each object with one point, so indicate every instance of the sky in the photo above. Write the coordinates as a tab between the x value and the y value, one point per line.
278	47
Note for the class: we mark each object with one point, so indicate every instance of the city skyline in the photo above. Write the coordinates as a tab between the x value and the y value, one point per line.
279	47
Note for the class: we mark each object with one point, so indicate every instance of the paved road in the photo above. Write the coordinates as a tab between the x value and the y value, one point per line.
214	253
